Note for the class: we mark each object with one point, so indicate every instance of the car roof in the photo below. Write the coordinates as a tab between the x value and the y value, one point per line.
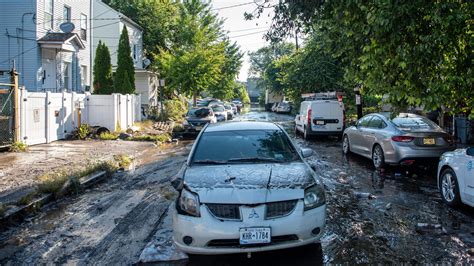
241	125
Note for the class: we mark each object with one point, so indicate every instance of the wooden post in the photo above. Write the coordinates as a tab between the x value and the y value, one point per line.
16	106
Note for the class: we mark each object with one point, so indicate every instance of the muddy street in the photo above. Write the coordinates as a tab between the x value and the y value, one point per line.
372	216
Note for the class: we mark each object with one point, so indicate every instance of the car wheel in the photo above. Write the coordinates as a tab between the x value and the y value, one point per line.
449	187
378	157
305	134
346	148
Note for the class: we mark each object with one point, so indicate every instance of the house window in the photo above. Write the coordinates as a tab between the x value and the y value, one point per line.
83	76
84	27
135	52
66	76
48	14
67	14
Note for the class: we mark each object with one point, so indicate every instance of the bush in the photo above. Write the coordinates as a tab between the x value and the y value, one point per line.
178	128
18	147
124	161
83	131
108	136
173	110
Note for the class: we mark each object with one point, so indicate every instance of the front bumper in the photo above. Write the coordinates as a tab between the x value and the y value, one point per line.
206	228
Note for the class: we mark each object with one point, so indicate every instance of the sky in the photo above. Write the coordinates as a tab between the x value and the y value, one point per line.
247	34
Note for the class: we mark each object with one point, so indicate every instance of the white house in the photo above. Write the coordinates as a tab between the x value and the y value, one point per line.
47	58
108	25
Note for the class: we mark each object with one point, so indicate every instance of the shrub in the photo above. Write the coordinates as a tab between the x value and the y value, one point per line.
158	138
178	128
108	136
144	124
124	161
83	131
173	110
18	147
52	182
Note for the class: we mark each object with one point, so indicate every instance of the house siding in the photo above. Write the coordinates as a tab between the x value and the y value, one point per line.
30	66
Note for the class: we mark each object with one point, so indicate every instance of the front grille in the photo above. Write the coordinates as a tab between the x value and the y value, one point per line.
225	211
234	243
281	208
200	123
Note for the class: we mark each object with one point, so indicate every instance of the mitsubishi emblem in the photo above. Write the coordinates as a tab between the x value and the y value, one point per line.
253	214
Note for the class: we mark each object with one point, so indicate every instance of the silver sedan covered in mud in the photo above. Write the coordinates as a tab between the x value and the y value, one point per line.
246	188
404	139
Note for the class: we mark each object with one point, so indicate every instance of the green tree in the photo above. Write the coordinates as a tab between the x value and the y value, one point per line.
124	81
103	81
417	53
263	57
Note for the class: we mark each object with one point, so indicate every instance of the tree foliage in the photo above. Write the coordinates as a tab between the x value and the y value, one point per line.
263	57
124	81
103	81
418	53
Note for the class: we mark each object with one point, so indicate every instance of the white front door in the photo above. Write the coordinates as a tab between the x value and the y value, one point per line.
49	74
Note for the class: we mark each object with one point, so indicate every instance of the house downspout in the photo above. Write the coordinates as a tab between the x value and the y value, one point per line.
23	46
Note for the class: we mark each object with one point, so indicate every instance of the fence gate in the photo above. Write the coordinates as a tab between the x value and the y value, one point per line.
6	117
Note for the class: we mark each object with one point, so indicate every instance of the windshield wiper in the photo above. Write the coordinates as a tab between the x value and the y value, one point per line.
209	162
255	159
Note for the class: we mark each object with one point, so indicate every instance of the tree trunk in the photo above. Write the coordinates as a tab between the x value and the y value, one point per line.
194	99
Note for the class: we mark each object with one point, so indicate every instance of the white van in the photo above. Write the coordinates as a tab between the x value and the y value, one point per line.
320	117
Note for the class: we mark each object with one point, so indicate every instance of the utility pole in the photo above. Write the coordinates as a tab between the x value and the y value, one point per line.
296	39
16	109
358	101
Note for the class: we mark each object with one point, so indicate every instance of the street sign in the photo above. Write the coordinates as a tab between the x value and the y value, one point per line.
162	82
358	99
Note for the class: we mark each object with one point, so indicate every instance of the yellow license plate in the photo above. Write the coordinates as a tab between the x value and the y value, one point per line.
429	141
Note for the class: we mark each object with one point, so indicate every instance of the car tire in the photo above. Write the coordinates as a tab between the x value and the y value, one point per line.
346	148
378	157
449	187
305	134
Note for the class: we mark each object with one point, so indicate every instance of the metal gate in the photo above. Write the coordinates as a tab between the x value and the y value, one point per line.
6	117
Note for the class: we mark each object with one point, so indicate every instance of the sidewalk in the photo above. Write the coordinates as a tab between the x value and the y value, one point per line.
19	171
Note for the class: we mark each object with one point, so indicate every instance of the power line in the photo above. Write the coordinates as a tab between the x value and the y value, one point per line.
226	7
242	35
248	29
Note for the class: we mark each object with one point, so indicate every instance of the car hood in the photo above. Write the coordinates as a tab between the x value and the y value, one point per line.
248	183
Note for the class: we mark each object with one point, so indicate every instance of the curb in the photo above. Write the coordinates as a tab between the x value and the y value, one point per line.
17	214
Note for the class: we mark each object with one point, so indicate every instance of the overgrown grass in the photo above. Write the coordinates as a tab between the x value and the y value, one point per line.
124	161
83	131
28	198
54	182
18	147
157	138
108	136
144	124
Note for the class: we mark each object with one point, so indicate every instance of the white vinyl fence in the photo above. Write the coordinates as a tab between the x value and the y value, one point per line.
47	116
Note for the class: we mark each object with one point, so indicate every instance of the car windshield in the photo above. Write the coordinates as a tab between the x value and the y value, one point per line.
218	108
414	123
254	146
201	112
284	104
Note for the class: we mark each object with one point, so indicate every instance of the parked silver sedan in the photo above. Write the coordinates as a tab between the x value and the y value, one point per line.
402	140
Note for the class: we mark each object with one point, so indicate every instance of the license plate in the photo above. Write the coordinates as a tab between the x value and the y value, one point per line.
429	141
198	128
255	235
319	122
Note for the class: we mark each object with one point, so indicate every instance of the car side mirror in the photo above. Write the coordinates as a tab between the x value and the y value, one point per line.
470	151
305	152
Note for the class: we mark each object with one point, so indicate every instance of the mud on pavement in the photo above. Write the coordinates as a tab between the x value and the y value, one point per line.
108	224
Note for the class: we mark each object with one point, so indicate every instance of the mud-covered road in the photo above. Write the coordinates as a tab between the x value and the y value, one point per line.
372	216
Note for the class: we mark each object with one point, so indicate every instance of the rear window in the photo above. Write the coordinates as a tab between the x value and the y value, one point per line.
218	108
414	123
241	144
201	112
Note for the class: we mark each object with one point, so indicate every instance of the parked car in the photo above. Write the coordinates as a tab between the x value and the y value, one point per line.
320	117
230	112
246	188
234	108
283	107
239	105
197	118
403	140
209	102
220	112
456	177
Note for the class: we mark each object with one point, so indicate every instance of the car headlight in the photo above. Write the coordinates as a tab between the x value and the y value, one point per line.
314	197
189	203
